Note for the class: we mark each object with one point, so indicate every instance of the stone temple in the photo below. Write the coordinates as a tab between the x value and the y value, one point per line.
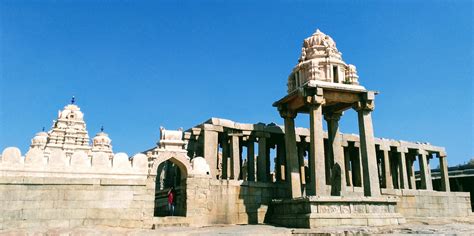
227	172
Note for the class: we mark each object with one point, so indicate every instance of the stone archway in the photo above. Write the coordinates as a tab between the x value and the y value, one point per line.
171	169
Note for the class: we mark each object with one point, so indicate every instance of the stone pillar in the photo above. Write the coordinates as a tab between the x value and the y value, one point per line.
262	174
280	163
443	166
234	157
336	153
210	149
425	177
367	145
357	164
250	160
293	179
411	170
225	157
387	177
402	167
347	160
301	152
317	172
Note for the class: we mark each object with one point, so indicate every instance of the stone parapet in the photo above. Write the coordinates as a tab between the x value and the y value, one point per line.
37	163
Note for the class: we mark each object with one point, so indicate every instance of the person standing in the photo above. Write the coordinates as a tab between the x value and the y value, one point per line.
171	200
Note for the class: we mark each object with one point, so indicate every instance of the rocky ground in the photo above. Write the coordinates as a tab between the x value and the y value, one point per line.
424	226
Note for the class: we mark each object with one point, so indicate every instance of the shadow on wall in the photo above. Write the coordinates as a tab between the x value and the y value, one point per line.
256	198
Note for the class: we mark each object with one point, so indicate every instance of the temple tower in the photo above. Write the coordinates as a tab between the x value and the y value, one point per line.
69	131
324	86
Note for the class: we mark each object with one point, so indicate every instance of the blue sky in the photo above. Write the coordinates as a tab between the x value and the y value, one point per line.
136	65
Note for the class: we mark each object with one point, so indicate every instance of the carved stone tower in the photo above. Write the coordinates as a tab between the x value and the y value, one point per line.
324	86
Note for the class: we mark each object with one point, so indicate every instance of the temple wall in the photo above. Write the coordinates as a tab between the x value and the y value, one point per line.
423	203
71	202
51	189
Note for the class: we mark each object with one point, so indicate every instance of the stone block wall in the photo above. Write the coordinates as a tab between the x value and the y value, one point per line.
227	201
423	203
70	202
311	212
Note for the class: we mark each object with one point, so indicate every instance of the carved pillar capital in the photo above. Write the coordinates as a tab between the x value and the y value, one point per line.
367	105
317	100
333	116
286	113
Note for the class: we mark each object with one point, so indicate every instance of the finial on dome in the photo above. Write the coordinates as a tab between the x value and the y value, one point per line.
73	100
101	128
42	129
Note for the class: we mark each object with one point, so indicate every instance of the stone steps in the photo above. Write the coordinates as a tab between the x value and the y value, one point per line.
169	221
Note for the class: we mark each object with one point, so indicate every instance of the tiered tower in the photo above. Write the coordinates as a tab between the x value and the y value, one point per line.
69	135
69	131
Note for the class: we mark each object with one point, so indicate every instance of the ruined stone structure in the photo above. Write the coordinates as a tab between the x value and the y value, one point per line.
233	173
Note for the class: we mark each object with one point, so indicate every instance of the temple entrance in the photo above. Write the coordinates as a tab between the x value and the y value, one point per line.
170	174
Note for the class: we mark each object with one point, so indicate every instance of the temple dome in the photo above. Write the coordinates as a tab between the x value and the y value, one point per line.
40	140
319	45
321	62
71	112
102	143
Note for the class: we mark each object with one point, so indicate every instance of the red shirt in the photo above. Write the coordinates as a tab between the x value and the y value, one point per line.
171	197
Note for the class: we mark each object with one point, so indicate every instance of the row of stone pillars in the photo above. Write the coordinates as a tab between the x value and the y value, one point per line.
334	168
317	165
341	166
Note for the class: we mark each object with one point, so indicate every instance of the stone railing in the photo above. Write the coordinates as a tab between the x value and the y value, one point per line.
55	163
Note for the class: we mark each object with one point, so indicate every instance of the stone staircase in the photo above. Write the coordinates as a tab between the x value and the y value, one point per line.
169	221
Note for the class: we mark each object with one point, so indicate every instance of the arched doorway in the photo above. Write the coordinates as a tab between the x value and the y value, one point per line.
171	170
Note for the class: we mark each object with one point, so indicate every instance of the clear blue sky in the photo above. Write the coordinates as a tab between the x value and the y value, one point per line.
136	65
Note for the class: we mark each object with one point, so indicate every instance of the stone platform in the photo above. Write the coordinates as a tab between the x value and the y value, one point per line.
312	212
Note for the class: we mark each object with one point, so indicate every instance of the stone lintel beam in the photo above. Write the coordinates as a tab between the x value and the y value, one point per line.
384	146
402	149
211	127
